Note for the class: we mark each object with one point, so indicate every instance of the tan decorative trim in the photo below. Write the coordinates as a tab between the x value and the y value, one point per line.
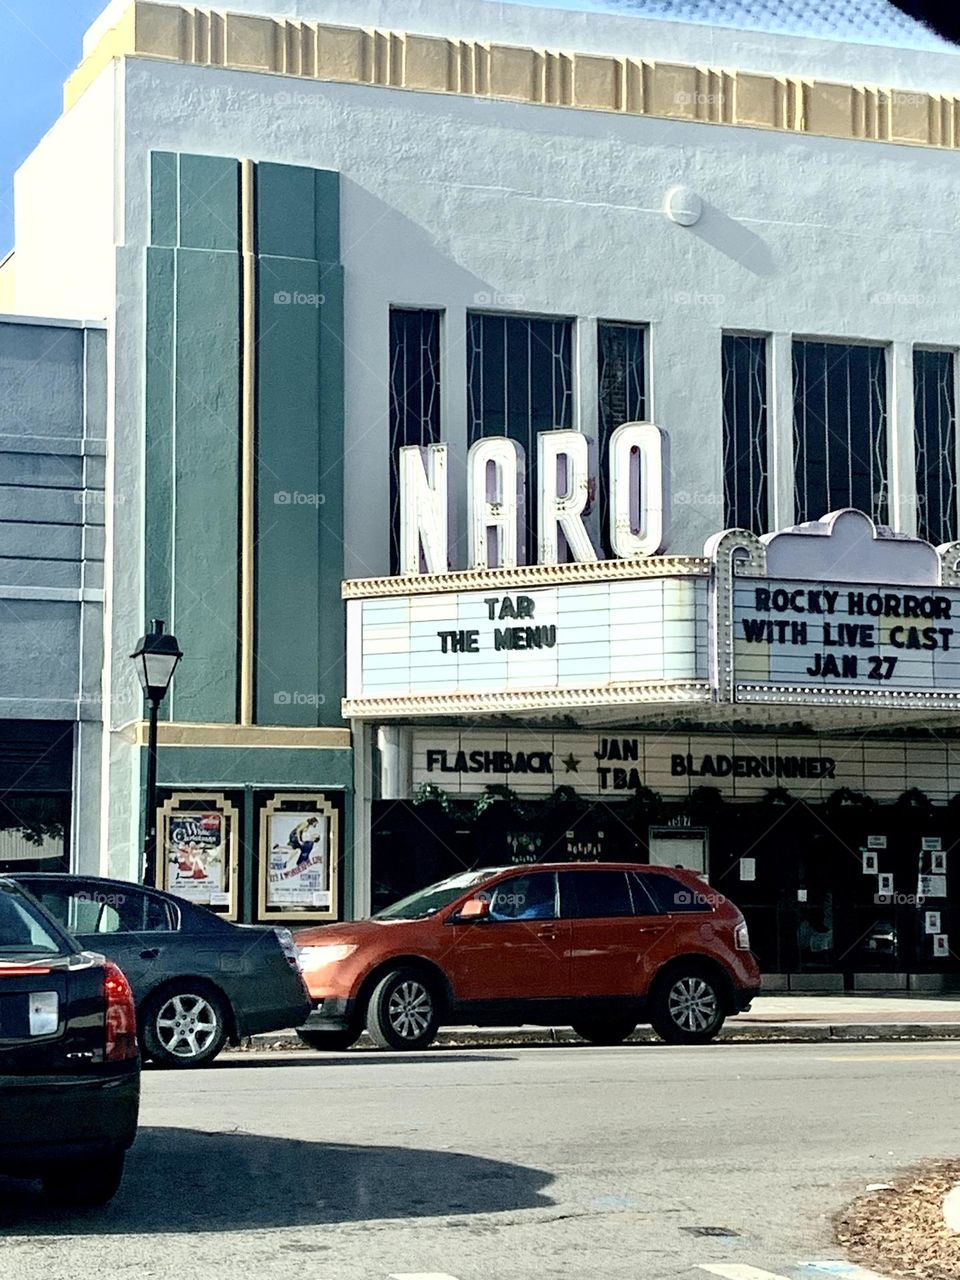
171	734
248	412
473	68
665	692
527	575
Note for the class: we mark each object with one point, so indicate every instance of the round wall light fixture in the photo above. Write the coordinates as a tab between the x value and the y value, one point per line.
683	206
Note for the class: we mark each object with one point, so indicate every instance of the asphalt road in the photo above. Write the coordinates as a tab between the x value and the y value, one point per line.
499	1164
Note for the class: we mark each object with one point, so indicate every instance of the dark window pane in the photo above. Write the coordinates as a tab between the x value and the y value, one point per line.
670	895
840	429
935	431
519	383
744	367
529	897
622	396
414	397
591	895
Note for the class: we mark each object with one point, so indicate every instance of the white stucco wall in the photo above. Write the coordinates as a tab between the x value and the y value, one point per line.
450	201
64	212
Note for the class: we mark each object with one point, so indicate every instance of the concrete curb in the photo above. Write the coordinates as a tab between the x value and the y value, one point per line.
775	1033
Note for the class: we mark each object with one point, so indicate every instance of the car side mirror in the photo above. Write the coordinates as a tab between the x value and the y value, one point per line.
474	909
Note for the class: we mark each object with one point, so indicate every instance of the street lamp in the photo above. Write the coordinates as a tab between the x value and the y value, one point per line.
155	657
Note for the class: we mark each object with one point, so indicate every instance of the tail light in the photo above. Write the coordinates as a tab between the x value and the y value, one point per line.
289	948
121	1016
741	936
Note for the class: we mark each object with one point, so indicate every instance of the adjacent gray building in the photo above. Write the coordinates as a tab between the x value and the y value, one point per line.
52	464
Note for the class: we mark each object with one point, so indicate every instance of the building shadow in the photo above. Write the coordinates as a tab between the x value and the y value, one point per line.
185	1180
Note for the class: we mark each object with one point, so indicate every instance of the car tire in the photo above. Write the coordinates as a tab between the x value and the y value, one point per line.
330	1041
606	1031
84	1184
687	1005
184	1026
403	1011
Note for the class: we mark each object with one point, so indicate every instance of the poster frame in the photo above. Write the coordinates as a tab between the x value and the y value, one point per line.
211	800
311	802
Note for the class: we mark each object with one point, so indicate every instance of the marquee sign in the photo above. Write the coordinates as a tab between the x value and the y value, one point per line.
521	641
835	612
610	765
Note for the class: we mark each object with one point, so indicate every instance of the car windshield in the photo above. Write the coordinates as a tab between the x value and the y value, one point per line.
433	899
23	930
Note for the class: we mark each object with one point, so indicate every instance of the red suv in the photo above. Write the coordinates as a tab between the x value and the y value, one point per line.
599	946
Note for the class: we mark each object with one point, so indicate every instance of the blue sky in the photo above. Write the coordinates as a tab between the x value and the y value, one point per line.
40	44
39	47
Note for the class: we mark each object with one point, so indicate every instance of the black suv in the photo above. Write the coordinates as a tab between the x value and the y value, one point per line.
69	1064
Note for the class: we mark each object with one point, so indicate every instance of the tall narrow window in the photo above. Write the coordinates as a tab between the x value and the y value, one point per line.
744	367
935	432
622	384
839	429
414	397
519	382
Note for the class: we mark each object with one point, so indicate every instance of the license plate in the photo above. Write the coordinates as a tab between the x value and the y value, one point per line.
44	1012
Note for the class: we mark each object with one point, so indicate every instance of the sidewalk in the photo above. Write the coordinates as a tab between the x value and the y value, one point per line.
772	1018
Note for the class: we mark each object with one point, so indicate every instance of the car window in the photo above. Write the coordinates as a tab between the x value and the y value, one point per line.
594	895
23	930
88	908
528	897
670	895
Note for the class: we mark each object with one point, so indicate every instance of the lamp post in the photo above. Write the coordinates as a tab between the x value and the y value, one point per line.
155	657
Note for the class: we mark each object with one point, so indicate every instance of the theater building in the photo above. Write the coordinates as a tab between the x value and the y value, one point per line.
385	285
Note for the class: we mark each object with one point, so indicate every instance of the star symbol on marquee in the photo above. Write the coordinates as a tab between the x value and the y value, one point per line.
571	764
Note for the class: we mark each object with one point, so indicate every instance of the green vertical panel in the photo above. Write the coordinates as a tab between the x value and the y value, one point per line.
163	198
209	203
299	629
207	484
158	442
331	628
289	494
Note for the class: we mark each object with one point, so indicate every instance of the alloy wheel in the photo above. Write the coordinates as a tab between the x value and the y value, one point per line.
410	1009
692	1004
186	1025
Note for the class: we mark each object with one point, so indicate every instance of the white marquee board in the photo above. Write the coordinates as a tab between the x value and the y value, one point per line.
558	637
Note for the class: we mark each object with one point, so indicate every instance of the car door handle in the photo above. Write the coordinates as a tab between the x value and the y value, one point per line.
548	935
151	953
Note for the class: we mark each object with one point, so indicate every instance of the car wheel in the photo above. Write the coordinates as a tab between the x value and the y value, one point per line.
80	1184
184	1027
403	1013
605	1030
687	1006
331	1040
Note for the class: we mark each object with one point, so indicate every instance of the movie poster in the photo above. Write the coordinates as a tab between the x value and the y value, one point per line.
195	858
299	853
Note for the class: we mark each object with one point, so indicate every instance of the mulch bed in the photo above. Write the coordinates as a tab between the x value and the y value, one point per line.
902	1232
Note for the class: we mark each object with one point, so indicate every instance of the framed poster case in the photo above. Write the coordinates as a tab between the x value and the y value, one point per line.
299	859
198	850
